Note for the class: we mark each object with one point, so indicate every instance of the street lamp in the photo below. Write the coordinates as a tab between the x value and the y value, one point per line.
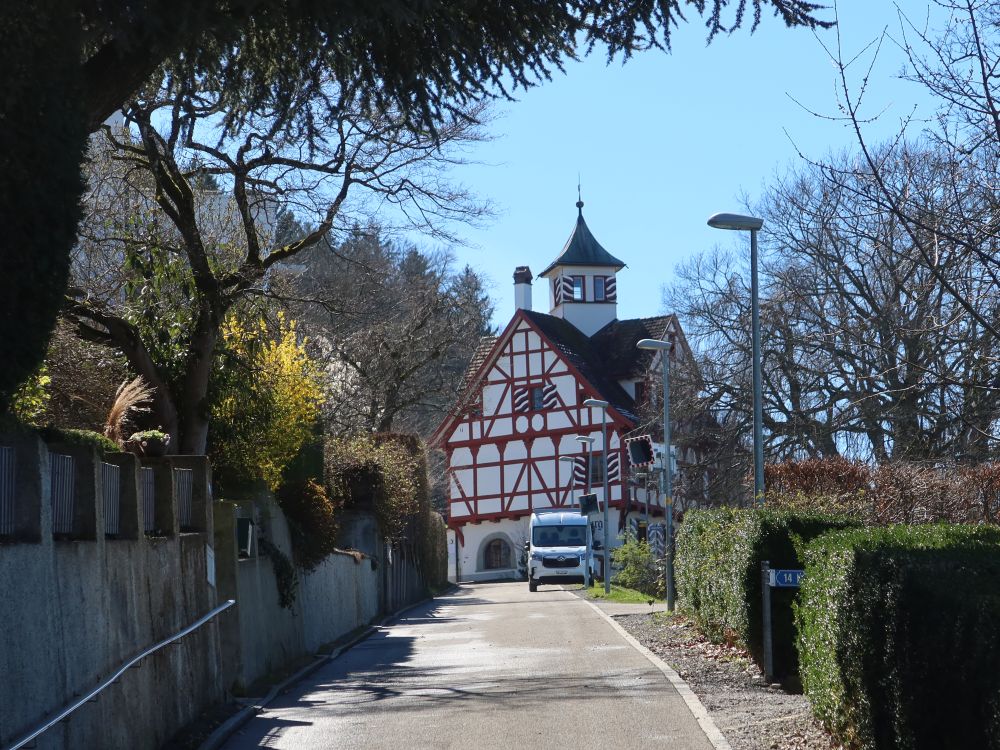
751	224
586	442
572	484
596	403
666	480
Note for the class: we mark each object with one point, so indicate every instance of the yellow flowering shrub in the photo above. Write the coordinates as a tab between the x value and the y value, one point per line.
266	400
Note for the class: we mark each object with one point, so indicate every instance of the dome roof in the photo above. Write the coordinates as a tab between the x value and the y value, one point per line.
582	249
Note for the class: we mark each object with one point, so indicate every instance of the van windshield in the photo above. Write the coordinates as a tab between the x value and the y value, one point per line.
559	536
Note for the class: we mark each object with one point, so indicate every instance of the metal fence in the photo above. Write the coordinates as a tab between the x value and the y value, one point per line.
6	491
184	487
112	489
63	487
147	485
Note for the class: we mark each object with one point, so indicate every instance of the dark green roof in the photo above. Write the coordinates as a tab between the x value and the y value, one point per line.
582	249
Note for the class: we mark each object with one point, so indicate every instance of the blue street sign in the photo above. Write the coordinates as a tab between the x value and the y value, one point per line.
786	579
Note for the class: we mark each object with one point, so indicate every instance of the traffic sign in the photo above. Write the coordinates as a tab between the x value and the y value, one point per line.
786	579
588	504
640	450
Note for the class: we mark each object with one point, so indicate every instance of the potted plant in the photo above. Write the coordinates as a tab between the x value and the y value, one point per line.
149	443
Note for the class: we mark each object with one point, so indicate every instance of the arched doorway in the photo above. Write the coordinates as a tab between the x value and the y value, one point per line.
496	553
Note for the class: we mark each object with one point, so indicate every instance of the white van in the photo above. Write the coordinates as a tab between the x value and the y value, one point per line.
557	548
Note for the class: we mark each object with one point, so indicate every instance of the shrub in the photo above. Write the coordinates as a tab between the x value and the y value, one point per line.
896	492
378	475
267	393
639	569
898	637
718	573
78	437
312	521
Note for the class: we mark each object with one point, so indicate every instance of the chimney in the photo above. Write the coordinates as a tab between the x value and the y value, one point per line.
522	288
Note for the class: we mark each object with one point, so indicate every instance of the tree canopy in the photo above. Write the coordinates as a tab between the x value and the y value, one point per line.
70	64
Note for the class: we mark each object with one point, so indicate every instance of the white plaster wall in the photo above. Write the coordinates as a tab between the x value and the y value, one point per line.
516	531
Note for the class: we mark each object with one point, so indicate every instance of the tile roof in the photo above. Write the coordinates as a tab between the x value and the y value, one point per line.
617	344
586	357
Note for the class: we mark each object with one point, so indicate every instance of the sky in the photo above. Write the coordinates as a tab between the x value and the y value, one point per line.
663	142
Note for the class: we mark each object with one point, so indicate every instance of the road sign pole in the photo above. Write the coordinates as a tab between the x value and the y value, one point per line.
765	588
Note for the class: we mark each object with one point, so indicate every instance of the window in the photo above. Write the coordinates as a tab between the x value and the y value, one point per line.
640	392
599	294
537	398
497	555
596	469
579	295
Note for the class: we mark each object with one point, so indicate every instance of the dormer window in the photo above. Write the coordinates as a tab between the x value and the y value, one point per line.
600	295
579	290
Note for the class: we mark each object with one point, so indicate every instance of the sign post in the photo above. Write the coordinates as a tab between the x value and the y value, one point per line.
588	505
779	579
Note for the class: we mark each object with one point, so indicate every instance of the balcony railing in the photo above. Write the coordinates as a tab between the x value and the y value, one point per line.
111	488
63	490
147	486
184	489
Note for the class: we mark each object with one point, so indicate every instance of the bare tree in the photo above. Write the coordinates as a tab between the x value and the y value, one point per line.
865	353
157	279
396	327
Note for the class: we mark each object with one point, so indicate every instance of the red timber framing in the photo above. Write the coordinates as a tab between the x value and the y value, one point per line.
503	458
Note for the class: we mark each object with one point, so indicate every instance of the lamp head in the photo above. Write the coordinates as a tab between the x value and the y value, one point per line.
735	221
585	439
596	403
654	344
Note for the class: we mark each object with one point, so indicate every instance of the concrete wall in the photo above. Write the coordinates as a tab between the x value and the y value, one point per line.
75	607
345	592
75	610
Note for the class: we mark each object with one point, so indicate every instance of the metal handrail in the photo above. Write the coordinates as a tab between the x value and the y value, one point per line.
92	695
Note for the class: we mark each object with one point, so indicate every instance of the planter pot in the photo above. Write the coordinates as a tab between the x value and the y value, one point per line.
148	447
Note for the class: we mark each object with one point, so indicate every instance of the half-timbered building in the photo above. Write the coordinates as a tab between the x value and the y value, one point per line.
522	411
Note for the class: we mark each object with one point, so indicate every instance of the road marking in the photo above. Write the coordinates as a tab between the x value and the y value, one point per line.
712	732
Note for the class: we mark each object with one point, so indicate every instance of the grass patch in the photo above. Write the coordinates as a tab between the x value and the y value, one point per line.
618	594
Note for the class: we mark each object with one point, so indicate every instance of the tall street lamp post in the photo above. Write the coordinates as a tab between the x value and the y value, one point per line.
571	460
603	406
666	480
586	442
751	224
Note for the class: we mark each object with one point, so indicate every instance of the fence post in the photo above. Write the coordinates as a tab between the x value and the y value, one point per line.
765	588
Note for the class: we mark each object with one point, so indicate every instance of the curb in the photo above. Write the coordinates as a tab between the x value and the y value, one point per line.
225	730
712	732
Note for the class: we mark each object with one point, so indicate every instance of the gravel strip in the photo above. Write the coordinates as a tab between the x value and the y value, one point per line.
750	713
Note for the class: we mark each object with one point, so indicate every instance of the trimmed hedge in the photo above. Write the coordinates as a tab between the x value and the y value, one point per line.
719	553
899	636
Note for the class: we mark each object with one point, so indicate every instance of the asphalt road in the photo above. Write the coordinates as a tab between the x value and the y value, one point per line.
489	666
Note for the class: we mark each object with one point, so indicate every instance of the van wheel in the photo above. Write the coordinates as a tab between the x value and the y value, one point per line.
532	584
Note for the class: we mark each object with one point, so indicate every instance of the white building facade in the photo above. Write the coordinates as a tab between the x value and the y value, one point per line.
522	412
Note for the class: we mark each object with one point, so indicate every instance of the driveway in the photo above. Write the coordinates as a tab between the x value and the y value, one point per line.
488	666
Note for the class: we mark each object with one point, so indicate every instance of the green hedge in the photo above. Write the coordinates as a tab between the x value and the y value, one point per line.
717	570
899	636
